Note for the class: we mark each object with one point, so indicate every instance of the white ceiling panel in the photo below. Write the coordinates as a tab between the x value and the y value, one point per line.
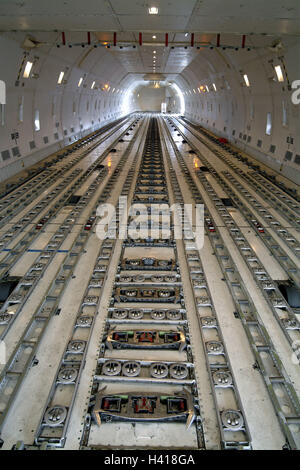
166	7
159	23
236	16
87	22
54	7
246	25
245	8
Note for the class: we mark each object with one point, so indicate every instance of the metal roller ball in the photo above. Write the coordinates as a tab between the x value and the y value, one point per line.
208	321
136	314
67	375
232	419
214	347
131	293
164	293
134	262
55	415
222	378
157	278
159	370
158	315
173	315
76	346
131	369
179	371
84	320
112	368
170	279
120	314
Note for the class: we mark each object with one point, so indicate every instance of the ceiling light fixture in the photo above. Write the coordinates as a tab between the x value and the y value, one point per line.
154	37
246	80
215	88
60	78
27	70
80	82
279	73
153	11
93	84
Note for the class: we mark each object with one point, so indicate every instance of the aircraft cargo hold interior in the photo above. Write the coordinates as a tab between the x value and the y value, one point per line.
150	225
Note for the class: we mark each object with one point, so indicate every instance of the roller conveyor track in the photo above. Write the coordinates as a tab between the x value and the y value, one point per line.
158	334
48	213
14	303
263	349
274	224
217	359
72	362
25	184
144	360
283	312
277	250
39	208
285	200
267	177
12	204
21	359
265	214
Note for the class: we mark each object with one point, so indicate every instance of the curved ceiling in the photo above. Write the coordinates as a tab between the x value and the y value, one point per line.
274	17
210	72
